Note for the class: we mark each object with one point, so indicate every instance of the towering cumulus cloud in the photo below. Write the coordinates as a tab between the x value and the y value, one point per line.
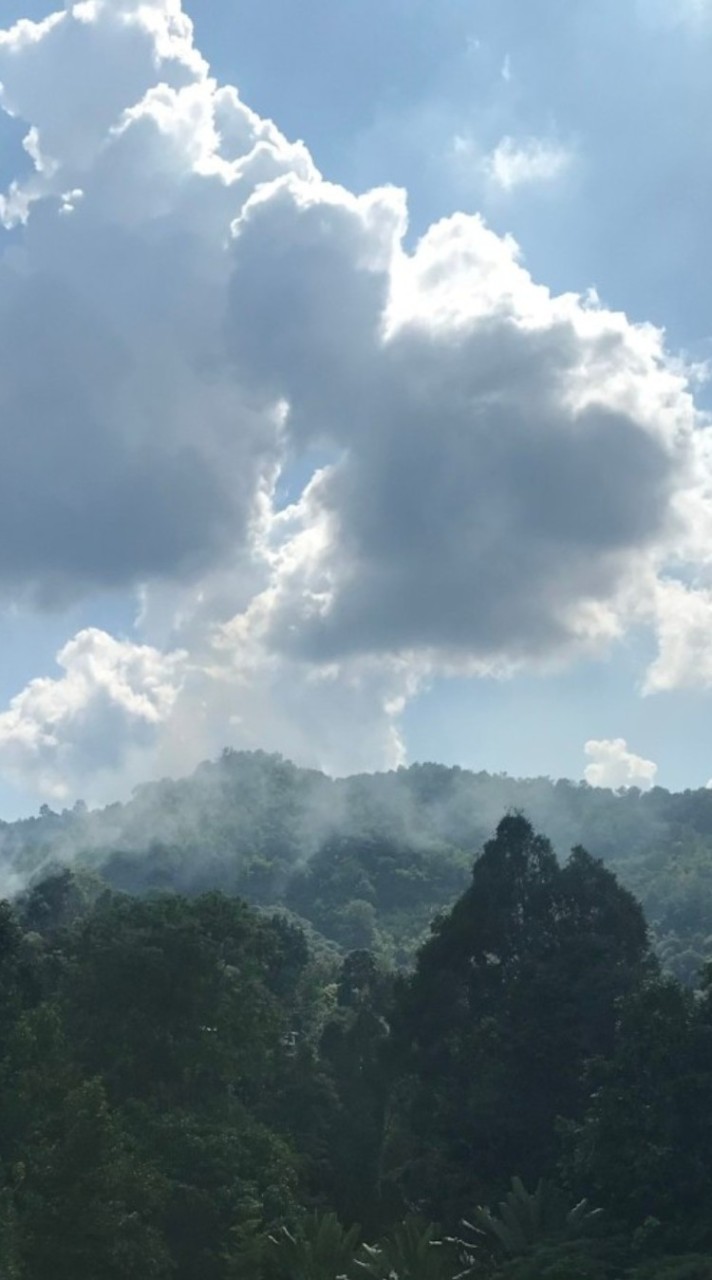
190	315
613	765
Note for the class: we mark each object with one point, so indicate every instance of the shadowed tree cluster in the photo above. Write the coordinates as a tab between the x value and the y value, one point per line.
191	1088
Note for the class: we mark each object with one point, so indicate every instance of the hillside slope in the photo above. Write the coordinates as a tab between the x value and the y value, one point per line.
368	859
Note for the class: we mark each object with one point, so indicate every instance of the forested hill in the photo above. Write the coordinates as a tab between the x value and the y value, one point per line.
367	860
189	1090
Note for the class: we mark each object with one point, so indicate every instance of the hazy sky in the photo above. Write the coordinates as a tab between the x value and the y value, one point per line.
353	397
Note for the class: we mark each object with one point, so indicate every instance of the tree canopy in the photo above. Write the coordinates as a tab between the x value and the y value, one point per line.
195	1087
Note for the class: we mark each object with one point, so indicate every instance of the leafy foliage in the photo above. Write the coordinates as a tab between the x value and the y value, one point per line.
321	1250
517	988
368	860
525	1218
196	1089
411	1249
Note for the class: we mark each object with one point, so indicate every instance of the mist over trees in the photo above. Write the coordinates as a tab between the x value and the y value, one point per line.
192	1087
366	861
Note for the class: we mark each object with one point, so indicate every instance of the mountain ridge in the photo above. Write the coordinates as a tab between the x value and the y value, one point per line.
368	859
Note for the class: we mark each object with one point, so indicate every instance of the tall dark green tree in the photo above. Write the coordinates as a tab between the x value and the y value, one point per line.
354	1049
516	989
644	1148
169	999
80	1199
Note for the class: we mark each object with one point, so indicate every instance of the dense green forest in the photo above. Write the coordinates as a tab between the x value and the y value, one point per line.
191	1087
365	862
262	1023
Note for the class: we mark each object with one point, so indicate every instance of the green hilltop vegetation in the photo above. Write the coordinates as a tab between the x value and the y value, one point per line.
366	861
194	1088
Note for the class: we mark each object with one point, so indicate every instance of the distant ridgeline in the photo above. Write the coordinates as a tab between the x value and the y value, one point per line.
368	860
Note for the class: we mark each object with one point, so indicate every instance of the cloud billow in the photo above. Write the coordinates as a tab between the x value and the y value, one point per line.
128	449
614	765
187	308
508	458
111	697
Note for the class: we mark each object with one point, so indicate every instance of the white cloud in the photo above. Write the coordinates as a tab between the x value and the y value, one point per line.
482	505
187	310
120	711
112	700
516	163
613	765
117	395
684	629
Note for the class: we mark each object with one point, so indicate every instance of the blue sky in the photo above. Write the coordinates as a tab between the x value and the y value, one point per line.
579	130
381	92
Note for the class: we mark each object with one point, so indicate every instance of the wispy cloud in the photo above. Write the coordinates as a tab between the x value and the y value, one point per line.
516	163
